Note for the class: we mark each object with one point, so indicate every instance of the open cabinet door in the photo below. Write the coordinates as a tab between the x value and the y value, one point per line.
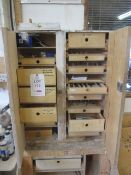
119	49
11	59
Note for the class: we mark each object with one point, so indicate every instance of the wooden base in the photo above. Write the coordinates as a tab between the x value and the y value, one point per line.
54	148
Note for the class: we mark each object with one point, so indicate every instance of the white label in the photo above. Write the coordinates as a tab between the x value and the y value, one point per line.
37	82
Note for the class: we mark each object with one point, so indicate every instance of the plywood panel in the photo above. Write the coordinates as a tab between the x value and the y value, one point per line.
11	63
119	44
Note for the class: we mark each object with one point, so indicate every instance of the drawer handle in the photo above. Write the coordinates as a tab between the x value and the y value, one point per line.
86	70
20	63
86	124
86	57
84	110
37	61
37	113
85	97
86	39
58	161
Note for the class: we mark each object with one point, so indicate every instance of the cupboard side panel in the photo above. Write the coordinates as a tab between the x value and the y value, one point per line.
118	55
11	65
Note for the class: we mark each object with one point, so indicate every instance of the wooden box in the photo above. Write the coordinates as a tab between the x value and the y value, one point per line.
39	115
24	76
94	124
84	97
79	109
86	40
25	96
58	164
86	57
36	61
86	69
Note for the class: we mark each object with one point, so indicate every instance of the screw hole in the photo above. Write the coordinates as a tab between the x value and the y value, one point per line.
58	161
38	61
85	97
86	70
37	113
86	57
84	110
86	39
86	124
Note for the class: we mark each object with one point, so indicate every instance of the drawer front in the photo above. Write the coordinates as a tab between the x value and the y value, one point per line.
85	97
43	115
86	40
25	96
58	164
91	125
88	90
86	69
36	61
86	57
84	109
24	76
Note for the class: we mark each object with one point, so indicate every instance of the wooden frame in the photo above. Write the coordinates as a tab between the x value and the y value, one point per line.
64	146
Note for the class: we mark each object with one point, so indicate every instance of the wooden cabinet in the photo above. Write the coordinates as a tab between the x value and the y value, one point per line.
83	102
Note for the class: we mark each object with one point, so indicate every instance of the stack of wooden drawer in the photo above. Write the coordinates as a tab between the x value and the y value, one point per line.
86	83
37	109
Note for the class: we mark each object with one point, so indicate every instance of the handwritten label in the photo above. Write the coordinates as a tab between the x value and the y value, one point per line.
37	82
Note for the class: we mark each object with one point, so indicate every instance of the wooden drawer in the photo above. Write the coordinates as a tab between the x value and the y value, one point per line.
25	96
24	76
83	89
86	69
85	97
93	124
36	61
58	164
86	40
86	57
79	109
40	116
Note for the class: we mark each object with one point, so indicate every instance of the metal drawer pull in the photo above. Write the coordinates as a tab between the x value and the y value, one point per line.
86	70
86	124
37	113
37	61
86	39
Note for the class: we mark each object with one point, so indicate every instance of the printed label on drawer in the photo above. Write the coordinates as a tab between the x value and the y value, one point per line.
37	82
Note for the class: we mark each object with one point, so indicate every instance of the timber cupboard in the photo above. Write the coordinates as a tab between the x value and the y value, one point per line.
81	110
